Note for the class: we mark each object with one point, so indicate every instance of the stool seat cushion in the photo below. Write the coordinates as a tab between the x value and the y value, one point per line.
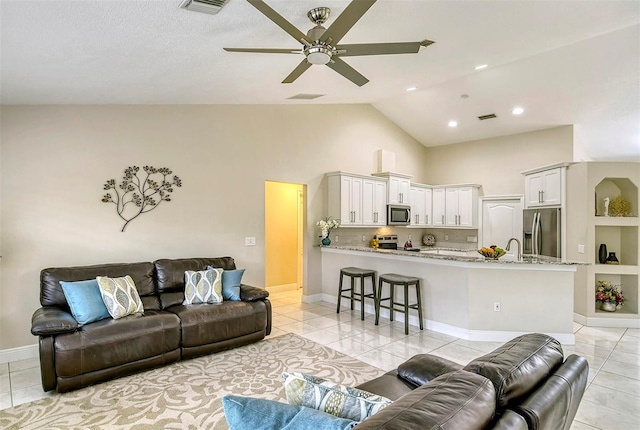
397	279
356	271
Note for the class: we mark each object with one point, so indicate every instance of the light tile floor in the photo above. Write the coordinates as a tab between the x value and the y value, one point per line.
611	401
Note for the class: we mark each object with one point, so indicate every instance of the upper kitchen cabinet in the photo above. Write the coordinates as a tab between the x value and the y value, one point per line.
398	187
461	206
420	198
438	207
357	200
545	186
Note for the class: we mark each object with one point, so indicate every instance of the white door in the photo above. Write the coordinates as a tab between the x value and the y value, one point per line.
501	220
380	202
552	187
356	200
451	207
466	198
533	189
368	201
417	202
428	219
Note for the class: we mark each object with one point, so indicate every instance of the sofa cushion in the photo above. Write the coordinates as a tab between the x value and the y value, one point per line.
422	368
456	400
112	342
51	293
120	296
169	275
519	366
208	324
245	413
388	385
85	301
336	399
202	286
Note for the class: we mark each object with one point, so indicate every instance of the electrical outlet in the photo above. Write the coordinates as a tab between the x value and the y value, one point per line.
496	306
409	237
446	237
249	241
364	238
580	249
473	239
337	238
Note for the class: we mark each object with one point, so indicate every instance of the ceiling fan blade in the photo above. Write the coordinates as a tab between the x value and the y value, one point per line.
302	67
279	20
265	50
378	49
347	71
347	19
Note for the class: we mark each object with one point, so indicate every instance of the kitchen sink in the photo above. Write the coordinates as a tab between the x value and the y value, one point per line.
448	252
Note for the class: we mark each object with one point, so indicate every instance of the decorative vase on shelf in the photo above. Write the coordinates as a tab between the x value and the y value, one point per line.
326	241
612	259
602	253
608	306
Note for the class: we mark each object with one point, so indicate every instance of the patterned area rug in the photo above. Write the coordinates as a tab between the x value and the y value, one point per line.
187	395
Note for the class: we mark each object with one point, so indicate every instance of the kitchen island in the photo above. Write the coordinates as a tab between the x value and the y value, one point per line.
460	291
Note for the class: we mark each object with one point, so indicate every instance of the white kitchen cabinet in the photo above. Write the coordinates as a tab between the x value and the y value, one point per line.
398	187
501	219
461	207
544	188
438	207
374	202
420	200
357	200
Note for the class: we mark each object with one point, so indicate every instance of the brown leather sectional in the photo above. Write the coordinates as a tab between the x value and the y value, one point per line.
73	357
526	384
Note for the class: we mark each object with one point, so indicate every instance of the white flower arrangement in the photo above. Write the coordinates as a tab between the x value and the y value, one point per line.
327	224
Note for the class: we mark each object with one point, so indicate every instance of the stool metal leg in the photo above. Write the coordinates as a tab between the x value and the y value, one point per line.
419	303
391	302
406	308
362	298
339	292
377	299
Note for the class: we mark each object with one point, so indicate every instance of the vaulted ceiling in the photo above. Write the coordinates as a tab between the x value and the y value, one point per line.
564	62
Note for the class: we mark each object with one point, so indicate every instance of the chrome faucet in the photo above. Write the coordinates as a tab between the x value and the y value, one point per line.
507	248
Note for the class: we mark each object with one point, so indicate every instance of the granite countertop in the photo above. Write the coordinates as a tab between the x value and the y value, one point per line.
467	259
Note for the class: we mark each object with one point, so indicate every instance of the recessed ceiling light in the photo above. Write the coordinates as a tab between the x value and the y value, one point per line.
517	111
481	66
412	88
453	123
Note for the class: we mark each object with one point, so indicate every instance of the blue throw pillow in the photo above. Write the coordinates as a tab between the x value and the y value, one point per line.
85	301
245	413
231	280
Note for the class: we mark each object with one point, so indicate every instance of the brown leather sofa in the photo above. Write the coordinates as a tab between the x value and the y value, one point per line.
73	357
524	384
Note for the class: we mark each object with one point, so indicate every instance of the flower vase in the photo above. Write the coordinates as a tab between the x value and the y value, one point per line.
612	259
602	254
608	306
326	241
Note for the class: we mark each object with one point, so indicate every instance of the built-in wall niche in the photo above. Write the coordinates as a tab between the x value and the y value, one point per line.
614	187
629	286
621	240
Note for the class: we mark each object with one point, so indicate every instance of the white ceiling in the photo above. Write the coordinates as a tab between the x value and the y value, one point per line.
566	62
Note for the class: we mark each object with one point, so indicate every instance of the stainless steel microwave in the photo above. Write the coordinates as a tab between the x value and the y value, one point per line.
398	215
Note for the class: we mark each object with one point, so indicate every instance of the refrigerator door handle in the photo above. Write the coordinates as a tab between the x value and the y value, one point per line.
539	245
534	233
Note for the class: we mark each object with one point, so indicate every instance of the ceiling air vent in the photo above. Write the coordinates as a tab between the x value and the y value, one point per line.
205	6
305	96
490	116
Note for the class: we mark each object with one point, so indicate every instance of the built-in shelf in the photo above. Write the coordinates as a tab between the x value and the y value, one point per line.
616	269
616	221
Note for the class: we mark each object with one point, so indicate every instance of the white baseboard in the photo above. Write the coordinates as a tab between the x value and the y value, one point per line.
462	333
281	288
312	298
19	353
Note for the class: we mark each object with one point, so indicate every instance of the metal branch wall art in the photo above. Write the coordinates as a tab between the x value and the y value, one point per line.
137	195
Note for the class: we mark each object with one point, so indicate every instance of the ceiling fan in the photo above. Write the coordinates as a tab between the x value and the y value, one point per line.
320	45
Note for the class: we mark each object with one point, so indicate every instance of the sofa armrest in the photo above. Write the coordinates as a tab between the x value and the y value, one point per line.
252	294
51	320
423	368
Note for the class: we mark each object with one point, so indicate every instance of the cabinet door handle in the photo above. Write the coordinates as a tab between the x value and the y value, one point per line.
442	219
427	219
542	194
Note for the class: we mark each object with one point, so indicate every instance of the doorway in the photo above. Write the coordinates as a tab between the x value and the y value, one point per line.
284	235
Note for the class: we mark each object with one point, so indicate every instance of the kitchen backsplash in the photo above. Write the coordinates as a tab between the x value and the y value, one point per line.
452	238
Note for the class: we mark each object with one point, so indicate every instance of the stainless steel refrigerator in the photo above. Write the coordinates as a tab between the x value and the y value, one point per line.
541	234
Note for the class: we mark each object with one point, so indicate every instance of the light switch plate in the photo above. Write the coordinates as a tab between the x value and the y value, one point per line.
580	249
249	241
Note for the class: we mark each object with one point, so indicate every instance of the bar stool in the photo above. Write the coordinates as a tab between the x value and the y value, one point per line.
393	279
353	273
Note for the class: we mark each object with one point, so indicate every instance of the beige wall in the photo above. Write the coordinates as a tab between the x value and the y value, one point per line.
55	160
496	163
281	233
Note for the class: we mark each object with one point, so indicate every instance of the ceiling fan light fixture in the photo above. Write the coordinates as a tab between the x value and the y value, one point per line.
318	54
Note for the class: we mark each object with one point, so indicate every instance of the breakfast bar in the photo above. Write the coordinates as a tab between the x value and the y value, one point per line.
468	296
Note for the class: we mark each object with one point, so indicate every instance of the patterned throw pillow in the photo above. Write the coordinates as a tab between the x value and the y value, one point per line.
204	286
335	399
120	296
